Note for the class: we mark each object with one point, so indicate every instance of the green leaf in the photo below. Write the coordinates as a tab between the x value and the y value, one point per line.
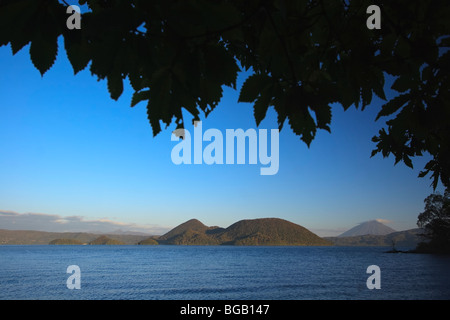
302	123
348	96
43	51
160	95
423	173
403	83
374	152
115	85
139	96
19	42
77	51
407	161
17	19
402	49
261	105
366	96
393	105
253	86
220	66
378	83
323	116
210	95
153	117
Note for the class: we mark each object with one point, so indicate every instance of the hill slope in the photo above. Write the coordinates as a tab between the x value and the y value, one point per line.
43	237
66	242
148	241
193	225
191	232
104	240
372	227
268	231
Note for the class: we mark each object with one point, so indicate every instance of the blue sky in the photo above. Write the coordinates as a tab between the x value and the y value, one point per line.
69	150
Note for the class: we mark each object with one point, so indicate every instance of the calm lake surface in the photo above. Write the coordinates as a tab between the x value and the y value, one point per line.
219	272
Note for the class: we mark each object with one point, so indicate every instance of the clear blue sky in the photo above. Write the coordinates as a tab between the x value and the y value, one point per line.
68	149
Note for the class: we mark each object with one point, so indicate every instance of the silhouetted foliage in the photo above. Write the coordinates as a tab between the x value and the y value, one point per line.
304	54
436	222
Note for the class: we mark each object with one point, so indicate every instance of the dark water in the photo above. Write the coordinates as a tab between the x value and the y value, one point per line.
219	272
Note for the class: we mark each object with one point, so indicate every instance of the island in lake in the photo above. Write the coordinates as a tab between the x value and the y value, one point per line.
255	232
266	231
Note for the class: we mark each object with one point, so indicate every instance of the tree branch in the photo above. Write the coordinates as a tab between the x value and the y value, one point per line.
283	44
218	32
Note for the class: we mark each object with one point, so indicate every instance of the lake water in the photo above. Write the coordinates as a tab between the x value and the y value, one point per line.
219	273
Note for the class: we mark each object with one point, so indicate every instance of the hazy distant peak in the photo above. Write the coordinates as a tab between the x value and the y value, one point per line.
374	227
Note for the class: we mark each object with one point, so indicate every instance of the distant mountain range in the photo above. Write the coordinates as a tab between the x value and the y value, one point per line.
408	238
42	237
267	231
101	240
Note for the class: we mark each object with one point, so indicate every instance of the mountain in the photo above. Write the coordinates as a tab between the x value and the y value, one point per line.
192	237
191	232
193	225
43	237
267	231
408	238
66	242
148	241
372	227
104	240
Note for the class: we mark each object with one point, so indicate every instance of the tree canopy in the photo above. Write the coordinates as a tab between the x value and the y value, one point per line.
304	56
435	220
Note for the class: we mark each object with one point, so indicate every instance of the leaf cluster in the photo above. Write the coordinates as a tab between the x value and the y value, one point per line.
435	220
305	55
